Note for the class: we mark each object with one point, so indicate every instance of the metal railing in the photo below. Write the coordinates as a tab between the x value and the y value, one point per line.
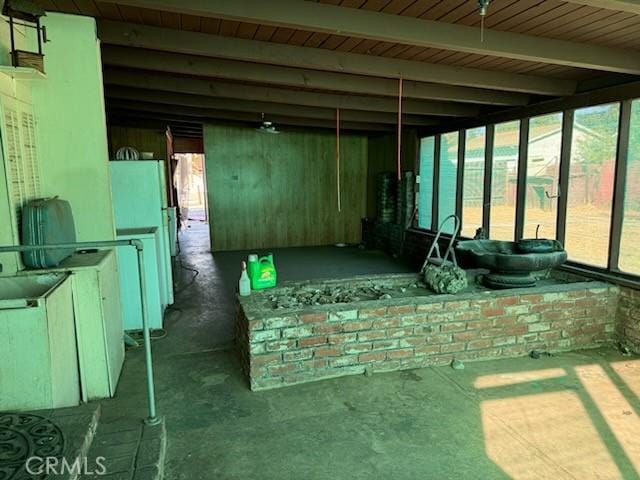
153	418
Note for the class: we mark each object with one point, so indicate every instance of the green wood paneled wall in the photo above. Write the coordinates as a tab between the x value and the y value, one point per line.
280	190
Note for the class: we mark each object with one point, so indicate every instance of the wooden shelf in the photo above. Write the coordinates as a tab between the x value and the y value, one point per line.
22	73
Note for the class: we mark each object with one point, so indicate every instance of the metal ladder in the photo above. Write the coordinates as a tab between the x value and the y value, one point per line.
449	254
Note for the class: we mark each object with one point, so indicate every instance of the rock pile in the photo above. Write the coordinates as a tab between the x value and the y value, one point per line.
336	294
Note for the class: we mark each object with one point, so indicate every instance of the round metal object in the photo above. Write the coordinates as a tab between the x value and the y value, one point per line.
22	436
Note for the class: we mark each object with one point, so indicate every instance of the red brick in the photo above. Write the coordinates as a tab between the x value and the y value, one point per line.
269	359
466	315
282	369
297	355
442	359
541	307
566	305
411	341
313	317
439	338
312	341
327	352
479	324
453	347
425	329
505	321
454	327
492	311
344	361
357	347
386	323
513	350
373	312
478	344
256	372
323	329
256	325
399	332
441	317
372	335
354	326
429	307
503	301
481	303
401	309
458	305
502	341
372	357
342	338
280	345
385	344
403	353
428	349
465	336
533	298
416	319
315	364
586	302
552	335
515	330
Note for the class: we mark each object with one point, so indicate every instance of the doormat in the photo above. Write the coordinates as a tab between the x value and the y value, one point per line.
23	436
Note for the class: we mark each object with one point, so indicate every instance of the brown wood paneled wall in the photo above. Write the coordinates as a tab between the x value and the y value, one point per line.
142	139
269	190
382	158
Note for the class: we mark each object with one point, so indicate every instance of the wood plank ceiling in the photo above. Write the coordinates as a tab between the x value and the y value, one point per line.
267	88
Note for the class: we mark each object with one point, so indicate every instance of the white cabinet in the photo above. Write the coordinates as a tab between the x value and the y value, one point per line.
130	282
39	367
98	320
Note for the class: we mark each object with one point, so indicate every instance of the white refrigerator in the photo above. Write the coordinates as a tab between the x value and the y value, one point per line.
140	201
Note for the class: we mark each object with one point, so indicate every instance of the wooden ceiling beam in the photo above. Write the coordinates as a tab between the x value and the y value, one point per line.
281	76
629	6
197	101
383	27
422	80
147	110
169	83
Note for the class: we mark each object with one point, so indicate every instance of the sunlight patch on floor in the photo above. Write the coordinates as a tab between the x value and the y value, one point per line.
629	372
513	378
614	407
546	435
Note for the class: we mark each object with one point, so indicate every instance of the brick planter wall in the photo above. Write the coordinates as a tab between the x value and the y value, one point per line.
284	347
628	329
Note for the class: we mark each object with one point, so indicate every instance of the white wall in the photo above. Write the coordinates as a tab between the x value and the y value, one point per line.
71	127
69	106
21	91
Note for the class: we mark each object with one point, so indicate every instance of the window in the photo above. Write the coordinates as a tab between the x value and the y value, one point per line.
447	181
473	181
543	174
504	181
425	193
591	180
629	260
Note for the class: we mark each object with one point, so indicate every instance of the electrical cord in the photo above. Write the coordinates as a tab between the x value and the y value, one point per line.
195	271
138	337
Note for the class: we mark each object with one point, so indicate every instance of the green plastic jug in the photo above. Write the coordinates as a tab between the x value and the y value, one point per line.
262	272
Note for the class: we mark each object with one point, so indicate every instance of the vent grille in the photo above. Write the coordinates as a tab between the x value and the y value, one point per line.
21	155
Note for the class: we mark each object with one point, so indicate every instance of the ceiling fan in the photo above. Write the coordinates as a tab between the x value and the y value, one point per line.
267	127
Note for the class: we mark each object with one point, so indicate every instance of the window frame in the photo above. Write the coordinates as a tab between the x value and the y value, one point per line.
612	271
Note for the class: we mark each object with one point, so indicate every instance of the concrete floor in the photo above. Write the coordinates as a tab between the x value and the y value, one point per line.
568	416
